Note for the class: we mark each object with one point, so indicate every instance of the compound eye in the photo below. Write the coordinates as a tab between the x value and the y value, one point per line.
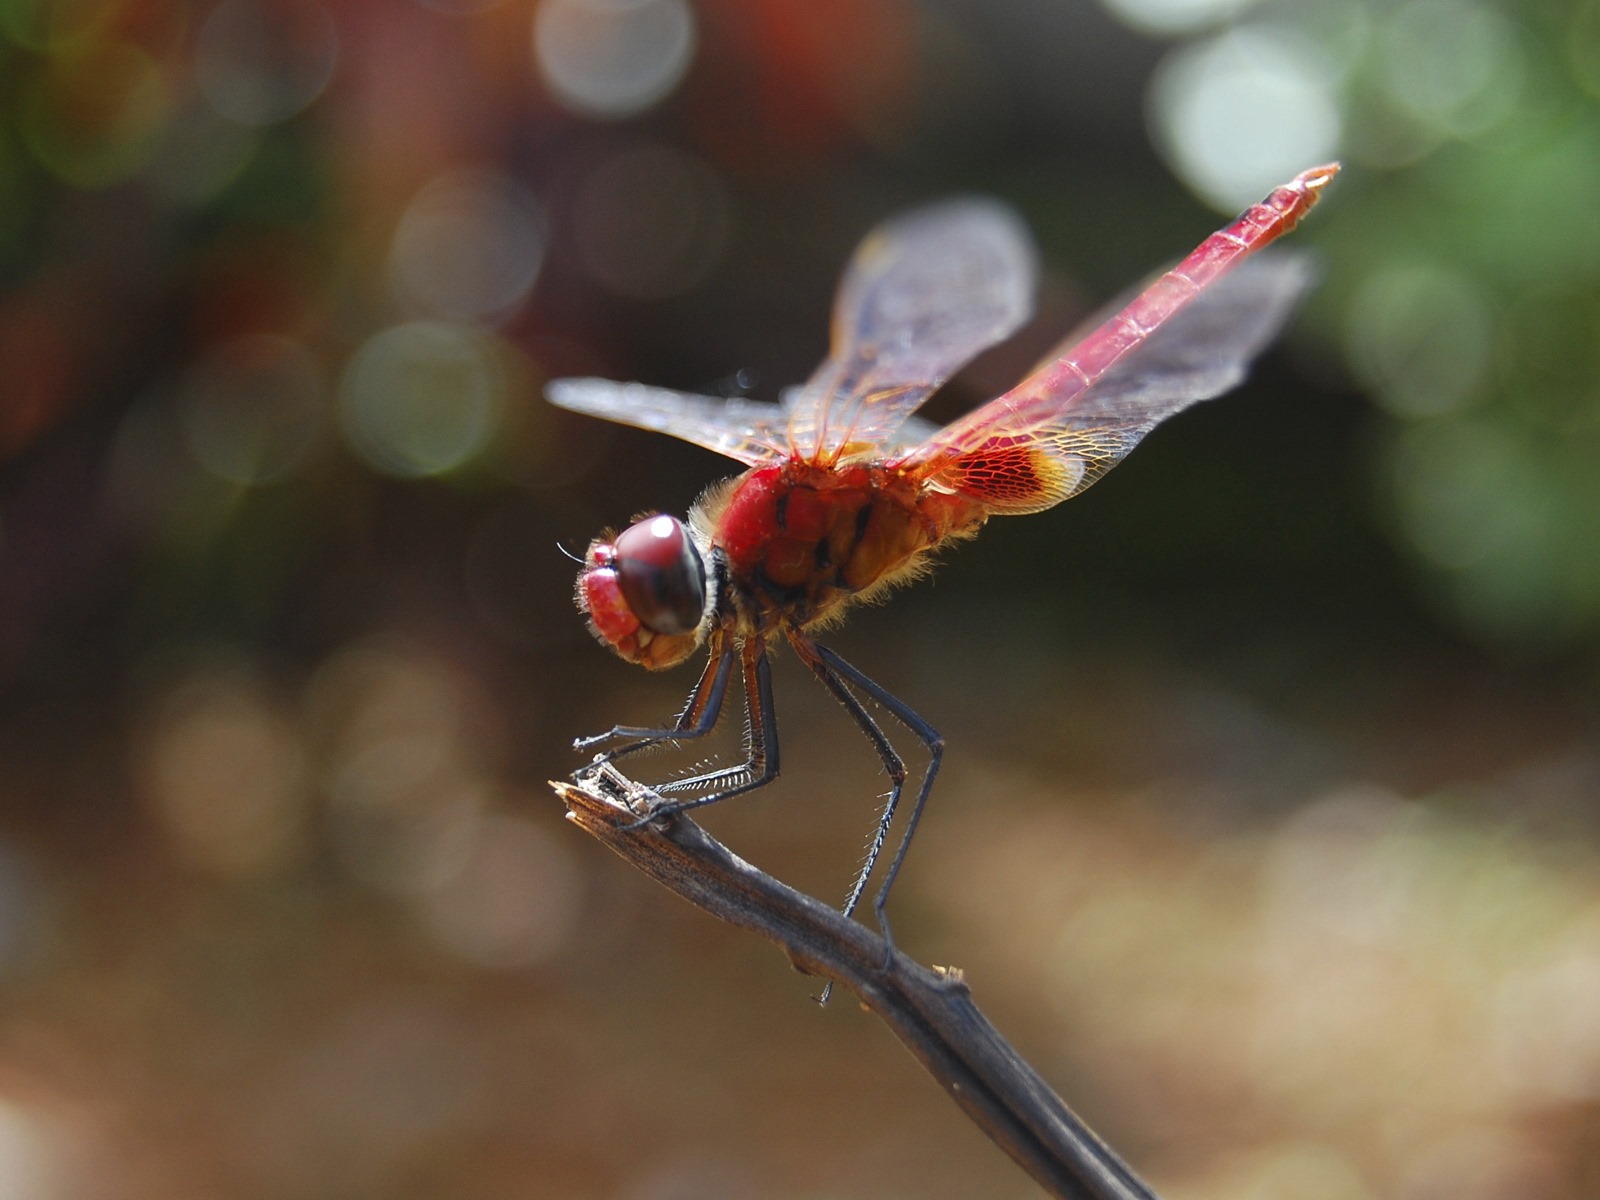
661	575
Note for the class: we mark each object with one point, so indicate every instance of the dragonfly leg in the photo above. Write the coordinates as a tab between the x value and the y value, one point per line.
930	738
698	718
761	745
808	652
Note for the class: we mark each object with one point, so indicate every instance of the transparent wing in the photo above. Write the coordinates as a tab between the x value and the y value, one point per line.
924	293
1028	457
913	431
746	430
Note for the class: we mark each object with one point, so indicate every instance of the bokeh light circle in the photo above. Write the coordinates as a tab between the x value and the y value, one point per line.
260	64
651	222
613	58
469	246
400	734
200	155
1422	337
514	901
1547	1040
1175	16
1469	492
1454	65
1476	499
38	1157
421	398
1238	114
251	410
223	773
94	117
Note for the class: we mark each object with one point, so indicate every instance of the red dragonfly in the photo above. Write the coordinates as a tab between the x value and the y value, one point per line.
846	494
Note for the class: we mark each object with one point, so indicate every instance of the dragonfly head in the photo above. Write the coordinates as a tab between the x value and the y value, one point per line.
646	592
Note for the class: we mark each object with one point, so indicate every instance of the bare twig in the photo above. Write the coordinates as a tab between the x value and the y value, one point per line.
931	1011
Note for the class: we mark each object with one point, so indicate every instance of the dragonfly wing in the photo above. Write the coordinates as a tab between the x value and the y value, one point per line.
747	430
913	431
1021	459
1204	350
924	293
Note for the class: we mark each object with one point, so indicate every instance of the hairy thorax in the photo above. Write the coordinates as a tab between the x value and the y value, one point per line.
803	542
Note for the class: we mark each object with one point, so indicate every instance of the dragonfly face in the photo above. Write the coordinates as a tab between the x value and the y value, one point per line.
646	593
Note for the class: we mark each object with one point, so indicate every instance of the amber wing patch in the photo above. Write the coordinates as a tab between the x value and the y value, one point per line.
1018	474
1009	477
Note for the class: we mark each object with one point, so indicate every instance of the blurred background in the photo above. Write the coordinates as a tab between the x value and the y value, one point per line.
1269	824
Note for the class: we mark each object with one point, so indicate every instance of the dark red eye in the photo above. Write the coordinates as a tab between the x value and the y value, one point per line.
661	575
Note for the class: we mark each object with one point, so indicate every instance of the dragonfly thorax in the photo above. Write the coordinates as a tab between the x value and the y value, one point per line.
647	593
802	542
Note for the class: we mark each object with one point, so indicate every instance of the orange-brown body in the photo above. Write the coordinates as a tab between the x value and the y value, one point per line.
802	542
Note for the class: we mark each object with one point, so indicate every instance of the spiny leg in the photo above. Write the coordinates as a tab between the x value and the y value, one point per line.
808	652
698	718
806	649
929	738
761	751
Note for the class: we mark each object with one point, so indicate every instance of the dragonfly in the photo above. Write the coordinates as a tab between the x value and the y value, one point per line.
846	494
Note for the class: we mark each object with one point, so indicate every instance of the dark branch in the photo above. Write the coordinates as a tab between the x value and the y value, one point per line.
931	1011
